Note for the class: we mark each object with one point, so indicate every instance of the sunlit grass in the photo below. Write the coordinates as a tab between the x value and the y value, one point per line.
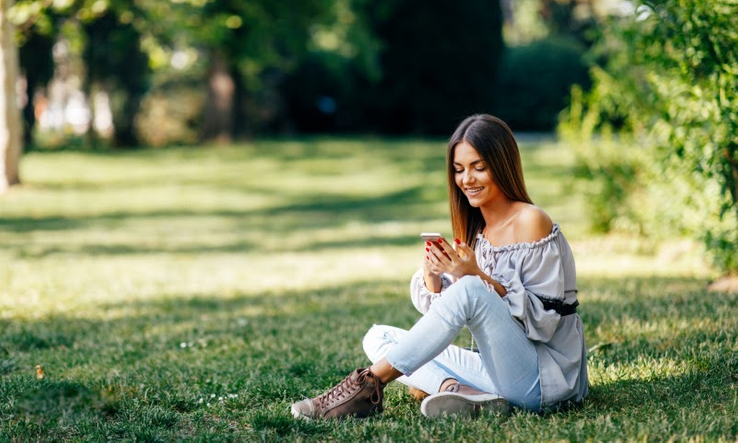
196	293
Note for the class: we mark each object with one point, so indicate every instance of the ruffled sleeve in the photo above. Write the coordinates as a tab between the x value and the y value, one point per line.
421	296
532	272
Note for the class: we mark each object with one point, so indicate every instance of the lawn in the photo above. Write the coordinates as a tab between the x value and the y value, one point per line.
194	294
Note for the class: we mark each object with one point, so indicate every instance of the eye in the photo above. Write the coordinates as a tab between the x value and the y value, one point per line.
458	171
480	168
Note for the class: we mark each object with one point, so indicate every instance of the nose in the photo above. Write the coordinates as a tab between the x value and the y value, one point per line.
467	178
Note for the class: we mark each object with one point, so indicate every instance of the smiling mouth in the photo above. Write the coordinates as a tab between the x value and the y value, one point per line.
473	191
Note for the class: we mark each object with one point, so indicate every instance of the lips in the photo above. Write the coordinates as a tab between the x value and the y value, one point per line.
473	191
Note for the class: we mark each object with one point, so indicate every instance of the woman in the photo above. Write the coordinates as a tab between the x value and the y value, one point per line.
510	279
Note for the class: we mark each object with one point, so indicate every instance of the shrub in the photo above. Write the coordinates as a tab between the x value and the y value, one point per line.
170	115
535	81
670	93
437	64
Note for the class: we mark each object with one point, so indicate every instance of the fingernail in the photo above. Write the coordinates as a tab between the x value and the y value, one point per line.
428	243
427	250
427	258
458	242
440	240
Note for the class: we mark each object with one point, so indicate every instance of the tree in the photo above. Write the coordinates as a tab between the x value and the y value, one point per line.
426	66
11	129
36	37
439	63
671	88
116	63
112	55
246	47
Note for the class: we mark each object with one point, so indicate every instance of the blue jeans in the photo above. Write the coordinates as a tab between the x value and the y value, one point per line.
507	362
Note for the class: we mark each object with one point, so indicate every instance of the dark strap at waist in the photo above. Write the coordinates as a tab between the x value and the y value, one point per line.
560	307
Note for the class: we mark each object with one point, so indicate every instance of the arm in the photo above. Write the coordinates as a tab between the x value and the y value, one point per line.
421	295
544	271
432	281
460	262
531	224
428	283
544	280
499	289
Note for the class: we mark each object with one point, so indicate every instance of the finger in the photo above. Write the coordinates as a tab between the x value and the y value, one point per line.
464	247
438	262
444	246
435	257
431	250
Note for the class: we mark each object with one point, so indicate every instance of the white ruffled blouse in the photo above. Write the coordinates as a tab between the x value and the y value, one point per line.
532	272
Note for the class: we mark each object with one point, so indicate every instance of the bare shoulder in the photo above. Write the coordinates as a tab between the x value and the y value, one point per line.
532	224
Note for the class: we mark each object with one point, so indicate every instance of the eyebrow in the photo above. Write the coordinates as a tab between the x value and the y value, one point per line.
472	163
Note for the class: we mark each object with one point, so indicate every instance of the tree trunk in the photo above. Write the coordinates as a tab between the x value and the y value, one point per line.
37	65
218	122
11	128
125	135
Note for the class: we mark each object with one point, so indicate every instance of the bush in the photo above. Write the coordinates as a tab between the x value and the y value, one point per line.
670	91
170	115
324	95
535	81
438	63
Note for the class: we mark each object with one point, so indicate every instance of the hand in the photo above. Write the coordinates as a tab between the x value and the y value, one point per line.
430	268
442	258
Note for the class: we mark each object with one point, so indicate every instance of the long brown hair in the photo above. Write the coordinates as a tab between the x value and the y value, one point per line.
496	145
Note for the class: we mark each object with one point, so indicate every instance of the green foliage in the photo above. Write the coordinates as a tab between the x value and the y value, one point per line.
194	294
37	28
436	63
535	81
171	115
670	92
439	63
114	59
125	42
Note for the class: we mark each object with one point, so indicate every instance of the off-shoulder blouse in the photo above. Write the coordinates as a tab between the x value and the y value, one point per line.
532	273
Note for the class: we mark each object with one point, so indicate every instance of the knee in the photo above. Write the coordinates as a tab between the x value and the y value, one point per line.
466	296
377	341
470	282
469	287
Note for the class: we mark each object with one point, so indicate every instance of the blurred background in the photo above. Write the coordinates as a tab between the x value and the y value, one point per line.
157	73
644	92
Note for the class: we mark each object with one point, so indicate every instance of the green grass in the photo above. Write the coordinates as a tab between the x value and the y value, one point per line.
194	294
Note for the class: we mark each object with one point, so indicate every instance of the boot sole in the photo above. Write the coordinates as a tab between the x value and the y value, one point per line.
451	403
298	414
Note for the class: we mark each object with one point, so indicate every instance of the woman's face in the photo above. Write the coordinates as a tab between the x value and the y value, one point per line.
473	176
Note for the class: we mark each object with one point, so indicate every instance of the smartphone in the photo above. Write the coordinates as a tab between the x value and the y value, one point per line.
431	236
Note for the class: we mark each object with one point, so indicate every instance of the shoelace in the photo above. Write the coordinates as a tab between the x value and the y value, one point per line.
348	387
377	393
337	392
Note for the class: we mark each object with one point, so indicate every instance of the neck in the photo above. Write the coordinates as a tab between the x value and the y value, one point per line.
498	212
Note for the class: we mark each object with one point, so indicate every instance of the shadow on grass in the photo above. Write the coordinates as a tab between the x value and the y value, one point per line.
274	348
676	301
310	213
387	207
159	356
95	250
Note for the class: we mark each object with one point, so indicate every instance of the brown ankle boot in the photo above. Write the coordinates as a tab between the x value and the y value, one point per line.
417	394
463	400
358	395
